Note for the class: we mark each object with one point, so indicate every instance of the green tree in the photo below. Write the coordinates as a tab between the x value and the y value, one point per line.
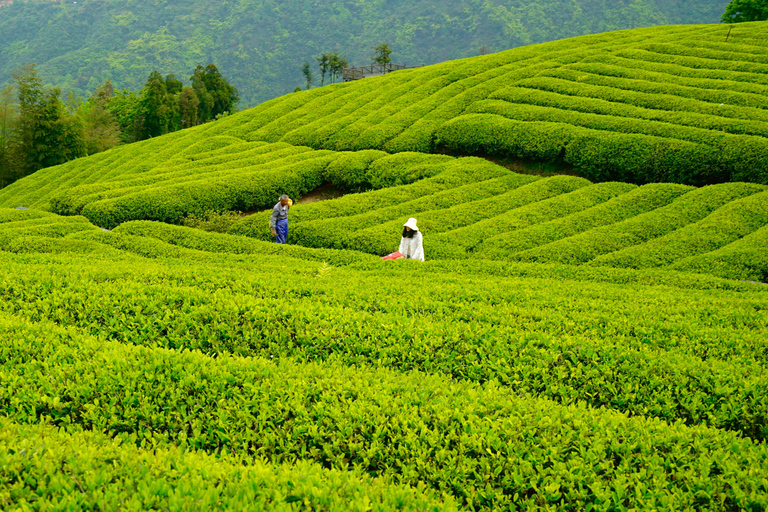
204	98
215	94
307	72
173	85
102	130
9	168
336	65
124	105
381	54
30	96
47	134
745	10
323	62
189	105
158	109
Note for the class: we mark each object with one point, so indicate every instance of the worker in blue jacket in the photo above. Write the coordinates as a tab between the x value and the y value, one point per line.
278	222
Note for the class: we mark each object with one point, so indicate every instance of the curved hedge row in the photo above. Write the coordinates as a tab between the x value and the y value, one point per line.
689	208
90	471
722	227
223	243
474	443
573	197
14	215
605	155
16	224
622	207
746	258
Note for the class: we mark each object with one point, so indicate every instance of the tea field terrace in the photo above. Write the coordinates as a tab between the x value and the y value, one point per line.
498	386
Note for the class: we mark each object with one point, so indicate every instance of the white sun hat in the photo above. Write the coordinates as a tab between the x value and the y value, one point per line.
411	224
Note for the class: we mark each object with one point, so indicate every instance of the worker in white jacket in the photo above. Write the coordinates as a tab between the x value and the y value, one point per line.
410	243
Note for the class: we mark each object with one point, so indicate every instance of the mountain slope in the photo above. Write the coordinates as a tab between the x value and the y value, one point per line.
260	46
634	106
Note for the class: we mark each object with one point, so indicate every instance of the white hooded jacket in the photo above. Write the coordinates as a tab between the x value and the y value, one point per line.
412	248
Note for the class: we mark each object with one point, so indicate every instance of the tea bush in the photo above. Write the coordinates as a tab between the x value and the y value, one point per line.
88	471
474	443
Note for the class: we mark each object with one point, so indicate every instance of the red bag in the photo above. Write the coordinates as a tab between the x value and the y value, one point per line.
395	255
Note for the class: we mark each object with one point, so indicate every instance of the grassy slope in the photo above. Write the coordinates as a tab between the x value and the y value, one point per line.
500	386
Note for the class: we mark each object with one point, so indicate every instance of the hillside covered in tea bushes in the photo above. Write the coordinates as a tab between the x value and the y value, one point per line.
184	364
387	138
260	46
589	340
667	104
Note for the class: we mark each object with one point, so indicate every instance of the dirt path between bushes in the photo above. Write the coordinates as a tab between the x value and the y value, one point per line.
321	193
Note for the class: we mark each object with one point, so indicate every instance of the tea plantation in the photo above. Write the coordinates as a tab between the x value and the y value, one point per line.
595	340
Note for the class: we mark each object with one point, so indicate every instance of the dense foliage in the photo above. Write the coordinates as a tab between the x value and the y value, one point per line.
569	344
260	46
739	11
38	130
498	386
89	471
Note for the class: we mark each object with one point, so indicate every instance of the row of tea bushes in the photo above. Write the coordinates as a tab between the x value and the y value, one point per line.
20	226
524	104
687	209
574	195
746	258
45	468
637	66
602	155
634	202
224	243
485	447
724	226
652	355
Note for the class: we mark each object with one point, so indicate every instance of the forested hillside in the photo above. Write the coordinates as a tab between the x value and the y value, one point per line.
261	45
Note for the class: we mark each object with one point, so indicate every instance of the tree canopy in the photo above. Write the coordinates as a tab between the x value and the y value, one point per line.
381	54
745	10
37	129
